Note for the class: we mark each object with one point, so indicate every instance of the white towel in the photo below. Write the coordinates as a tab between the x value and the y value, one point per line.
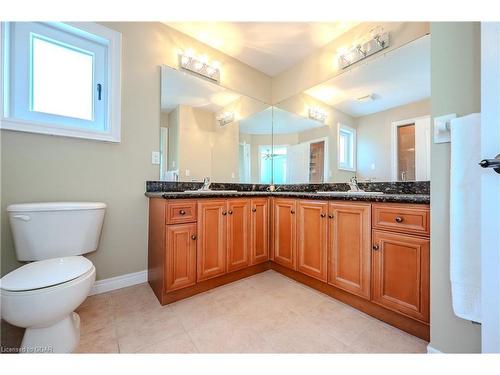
465	219
171	175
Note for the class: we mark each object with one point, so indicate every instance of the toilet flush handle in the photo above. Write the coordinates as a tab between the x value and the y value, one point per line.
22	217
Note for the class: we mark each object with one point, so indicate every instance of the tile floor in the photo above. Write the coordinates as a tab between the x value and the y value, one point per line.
265	313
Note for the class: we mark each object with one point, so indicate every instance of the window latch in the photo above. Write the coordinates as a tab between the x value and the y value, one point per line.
99	90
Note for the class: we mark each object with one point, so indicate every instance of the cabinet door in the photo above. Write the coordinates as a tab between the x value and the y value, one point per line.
259	230
238	234
312	229
350	247
401	273
180	260
211	248
284	218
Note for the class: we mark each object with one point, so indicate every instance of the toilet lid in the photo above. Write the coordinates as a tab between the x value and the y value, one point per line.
45	273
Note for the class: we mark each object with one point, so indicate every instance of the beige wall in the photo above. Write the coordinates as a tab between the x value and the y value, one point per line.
44	168
374	138
455	77
323	64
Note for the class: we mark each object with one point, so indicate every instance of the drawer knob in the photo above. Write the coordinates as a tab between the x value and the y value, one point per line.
375	247
193	237
292	211
230	212
254	209
182	212
224	213
323	215
399	219
330	216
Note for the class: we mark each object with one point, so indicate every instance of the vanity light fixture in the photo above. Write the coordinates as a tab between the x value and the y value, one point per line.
317	114
225	118
377	41
199	65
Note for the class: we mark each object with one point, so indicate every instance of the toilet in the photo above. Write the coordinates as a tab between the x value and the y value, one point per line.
42	295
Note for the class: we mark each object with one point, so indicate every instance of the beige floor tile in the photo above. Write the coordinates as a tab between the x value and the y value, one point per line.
226	334
94	316
180	343
382	338
144	328
100	341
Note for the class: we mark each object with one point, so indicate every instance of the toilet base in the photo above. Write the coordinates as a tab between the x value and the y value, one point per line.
61	337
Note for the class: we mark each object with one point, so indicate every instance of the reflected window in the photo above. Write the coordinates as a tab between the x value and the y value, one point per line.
273	162
346	148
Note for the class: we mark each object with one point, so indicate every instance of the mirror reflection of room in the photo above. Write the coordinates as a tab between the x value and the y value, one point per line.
371	121
209	131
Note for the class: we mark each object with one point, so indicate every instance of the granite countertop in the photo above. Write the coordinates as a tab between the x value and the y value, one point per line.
401	198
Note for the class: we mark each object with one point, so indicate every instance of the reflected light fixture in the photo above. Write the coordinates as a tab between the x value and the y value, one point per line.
366	98
225	118
377	41
199	65
317	114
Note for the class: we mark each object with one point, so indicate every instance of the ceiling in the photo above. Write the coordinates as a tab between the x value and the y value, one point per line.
181	88
282	122
398	77
270	47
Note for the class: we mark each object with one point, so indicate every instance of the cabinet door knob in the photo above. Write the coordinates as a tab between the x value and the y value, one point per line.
224	213
254	209
399	219
230	212
323	215
330	216
193	237
292	211
376	247
182	212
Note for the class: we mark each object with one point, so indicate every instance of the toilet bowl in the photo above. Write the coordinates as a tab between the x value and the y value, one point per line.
44	305
42	295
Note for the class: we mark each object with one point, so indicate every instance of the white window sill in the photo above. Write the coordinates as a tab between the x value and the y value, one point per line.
39	128
347	169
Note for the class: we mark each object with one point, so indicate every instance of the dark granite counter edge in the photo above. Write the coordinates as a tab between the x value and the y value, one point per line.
394	198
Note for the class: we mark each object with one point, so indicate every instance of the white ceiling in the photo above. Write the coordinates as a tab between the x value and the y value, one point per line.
271	47
395	78
179	87
282	122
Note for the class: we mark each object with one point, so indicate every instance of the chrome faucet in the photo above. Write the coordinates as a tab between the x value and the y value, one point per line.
206	184
353	184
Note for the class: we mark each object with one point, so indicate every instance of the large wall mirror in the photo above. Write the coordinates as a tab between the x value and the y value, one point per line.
210	131
371	121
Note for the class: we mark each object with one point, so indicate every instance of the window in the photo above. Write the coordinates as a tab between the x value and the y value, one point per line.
61	79
346	148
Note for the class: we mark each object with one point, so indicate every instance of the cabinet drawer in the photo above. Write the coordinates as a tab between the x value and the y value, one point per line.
401	218
181	212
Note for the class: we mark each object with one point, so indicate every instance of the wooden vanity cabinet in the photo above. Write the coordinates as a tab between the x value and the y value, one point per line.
259	230
349	247
285	232
401	273
312	234
212	238
238	234
180	259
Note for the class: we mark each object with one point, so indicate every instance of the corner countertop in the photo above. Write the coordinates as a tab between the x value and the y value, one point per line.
396	198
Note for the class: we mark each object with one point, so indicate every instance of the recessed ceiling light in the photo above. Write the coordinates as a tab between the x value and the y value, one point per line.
366	98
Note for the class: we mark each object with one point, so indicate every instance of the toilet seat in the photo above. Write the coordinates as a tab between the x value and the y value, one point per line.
45	274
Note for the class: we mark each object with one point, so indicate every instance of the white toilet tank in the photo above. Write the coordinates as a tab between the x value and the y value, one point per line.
56	229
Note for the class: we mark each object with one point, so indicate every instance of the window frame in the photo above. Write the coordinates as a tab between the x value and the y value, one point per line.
112	117
353	141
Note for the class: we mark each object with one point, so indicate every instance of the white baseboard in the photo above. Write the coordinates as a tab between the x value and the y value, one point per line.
431	350
118	282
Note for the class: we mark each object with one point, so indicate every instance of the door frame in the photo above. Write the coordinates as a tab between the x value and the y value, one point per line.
490	182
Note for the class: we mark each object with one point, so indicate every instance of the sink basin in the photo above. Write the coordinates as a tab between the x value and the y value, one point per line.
351	192
210	191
